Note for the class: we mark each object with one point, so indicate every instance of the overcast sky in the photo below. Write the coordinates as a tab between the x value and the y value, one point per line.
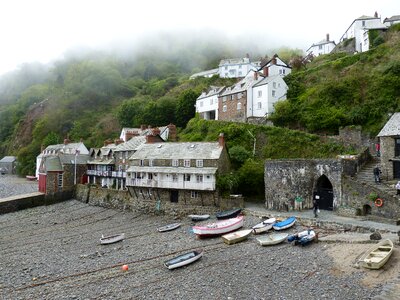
42	30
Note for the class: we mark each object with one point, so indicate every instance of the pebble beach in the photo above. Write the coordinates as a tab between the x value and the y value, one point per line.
53	252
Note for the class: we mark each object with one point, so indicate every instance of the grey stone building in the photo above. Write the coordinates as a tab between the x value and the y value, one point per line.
389	138
8	165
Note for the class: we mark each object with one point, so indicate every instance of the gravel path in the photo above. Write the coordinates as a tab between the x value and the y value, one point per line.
11	185
53	252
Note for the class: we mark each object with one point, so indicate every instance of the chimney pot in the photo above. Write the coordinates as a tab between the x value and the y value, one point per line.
327	37
266	71
255	75
221	140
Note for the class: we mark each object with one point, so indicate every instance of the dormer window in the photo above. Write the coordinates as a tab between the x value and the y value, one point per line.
175	162
199	163
186	163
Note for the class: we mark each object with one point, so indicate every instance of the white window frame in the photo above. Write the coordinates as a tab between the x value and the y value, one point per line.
194	194
186	177
141	162
273	93
175	162
174	177
186	163
151	162
199	178
60	180
259	105
199	163
224	108
259	94
239	106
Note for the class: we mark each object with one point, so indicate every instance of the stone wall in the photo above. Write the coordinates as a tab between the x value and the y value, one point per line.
357	197
287	179
149	204
387	153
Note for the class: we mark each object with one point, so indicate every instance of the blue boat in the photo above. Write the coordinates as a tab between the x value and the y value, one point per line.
289	222
302	238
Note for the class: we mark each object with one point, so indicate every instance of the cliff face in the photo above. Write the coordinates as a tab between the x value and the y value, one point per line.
24	132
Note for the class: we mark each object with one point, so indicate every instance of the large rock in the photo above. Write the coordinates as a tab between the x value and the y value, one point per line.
375	236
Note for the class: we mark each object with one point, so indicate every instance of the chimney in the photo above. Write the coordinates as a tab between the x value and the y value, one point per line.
156	131
255	75
266	71
221	140
151	139
273	60
118	141
66	141
247	55
376	14
172	132
107	142
142	127
327	37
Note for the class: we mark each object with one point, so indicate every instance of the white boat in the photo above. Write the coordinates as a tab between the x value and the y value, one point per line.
289	222
111	238
168	227
264	226
272	239
219	227
377	255
236	236
196	218
303	237
184	259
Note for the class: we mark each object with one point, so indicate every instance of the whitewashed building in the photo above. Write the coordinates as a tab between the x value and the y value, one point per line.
275	66
236	67
323	47
391	21
358	30
207	103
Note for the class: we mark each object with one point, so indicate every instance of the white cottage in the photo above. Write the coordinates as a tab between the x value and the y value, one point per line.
275	66
236	67
323	47
207	103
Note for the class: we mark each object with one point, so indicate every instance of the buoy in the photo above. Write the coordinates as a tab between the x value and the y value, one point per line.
378	202
125	268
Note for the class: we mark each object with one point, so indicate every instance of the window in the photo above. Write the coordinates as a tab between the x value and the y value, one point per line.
259	94
259	105
194	194
224	108
199	163
141	163
363	23
151	162
60	181
283	71
233	97
186	177
239	106
280	71
274	85
273	93
186	163
320	47
175	162
199	178
174	177
150	176
239	96
223	98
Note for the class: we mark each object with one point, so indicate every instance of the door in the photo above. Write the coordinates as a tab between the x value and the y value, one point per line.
324	193
174	196
396	169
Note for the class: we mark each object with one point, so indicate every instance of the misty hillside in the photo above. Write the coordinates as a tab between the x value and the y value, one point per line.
344	89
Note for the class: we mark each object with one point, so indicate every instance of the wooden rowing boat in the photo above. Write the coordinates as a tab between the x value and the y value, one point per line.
219	227
264	226
197	218
169	227
183	259
302	238
104	240
227	214
289	222
236	236
272	239
377	255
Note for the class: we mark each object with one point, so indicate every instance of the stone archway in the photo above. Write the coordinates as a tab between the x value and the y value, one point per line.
323	192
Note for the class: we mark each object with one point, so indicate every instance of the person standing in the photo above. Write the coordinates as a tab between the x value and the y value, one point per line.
377	173
315	207
398	187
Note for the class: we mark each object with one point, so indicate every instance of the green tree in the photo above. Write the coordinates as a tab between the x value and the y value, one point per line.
51	138
185	109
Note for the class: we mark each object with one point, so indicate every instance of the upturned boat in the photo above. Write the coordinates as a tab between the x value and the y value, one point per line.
236	236
377	255
287	223
264	226
104	240
183	259
197	218
219	227
303	237
169	227
272	239
227	214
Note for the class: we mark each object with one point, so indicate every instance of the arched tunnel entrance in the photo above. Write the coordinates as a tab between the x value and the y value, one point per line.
324	193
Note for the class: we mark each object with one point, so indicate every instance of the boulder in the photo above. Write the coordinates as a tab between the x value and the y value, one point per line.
375	236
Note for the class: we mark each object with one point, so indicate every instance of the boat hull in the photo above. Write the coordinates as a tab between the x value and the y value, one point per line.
197	218
236	237
228	214
377	256
289	222
219	227
184	259
272	239
112	239
169	227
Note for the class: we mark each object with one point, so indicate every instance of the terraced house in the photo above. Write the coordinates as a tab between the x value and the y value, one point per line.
178	172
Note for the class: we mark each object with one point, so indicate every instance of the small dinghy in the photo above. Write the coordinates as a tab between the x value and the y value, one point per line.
377	255
197	218
303	237
289	222
219	227
169	227
112	238
227	214
236	236
272	239
264	226
184	259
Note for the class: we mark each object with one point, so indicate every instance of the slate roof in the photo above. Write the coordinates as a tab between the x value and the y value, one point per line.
392	127
205	73
242	85
267	80
132	144
193	150
214	90
392	19
8	159
171	170
68	148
